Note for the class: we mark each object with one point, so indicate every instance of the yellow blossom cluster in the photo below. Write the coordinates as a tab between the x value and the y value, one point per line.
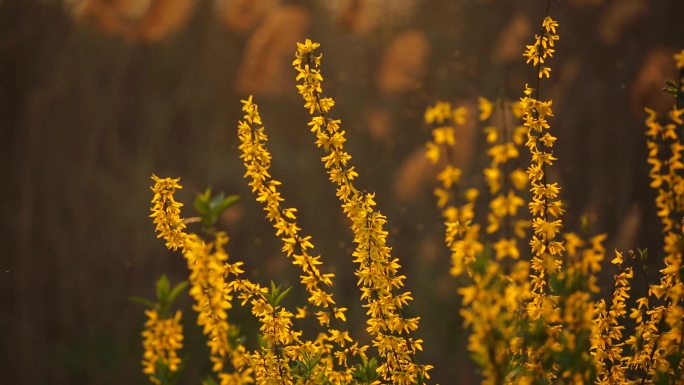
544	206
543	47
607	345
461	235
575	286
166	212
209	268
506	184
530	318
491	310
296	246
162	338
207	262
534	313
257	160
665	159
657	342
546	209
278	338
377	271
492	297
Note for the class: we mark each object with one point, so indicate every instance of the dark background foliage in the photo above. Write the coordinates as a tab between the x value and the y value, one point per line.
96	95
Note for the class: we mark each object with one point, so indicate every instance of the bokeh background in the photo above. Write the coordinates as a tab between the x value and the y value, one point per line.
96	95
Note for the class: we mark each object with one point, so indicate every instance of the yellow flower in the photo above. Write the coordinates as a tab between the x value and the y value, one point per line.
507	248
679	59
485	107
162	338
549	24
546	229
471	194
460	116
449	176
544	72
377	271
493	178
166	212
444	135
439	113
519	179
492	134
432	152
307	47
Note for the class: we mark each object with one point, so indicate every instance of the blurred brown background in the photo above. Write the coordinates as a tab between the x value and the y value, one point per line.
96	95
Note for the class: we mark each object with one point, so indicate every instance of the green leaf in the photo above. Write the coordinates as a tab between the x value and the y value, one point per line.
482	259
261	341
211	207
235	339
142	301
276	294
282	295
201	202
176	291
304	369
222	205
643	253
227	202
217	206
643	258
209	380
162	288
366	372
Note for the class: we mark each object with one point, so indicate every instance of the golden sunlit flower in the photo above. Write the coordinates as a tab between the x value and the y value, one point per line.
166	212
377	272
162	338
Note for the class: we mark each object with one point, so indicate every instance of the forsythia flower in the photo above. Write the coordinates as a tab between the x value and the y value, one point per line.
485	107
542	48
494	293
606	338
377	272
543	204
657	343
208	267
679	59
166	212
162	338
295	246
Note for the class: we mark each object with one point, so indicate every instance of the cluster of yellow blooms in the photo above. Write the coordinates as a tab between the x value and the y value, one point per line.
546	209
207	262
162	338
209	268
606	339
543	48
657	342
461	235
377	272
538	322
497	278
505	184
166	212
653	352
545	206
257	160
285	355
532	311
500	295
